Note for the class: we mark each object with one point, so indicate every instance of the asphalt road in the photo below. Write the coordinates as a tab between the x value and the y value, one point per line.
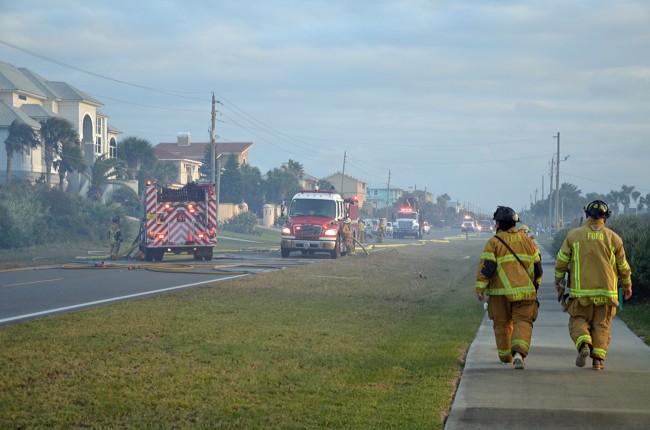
39	292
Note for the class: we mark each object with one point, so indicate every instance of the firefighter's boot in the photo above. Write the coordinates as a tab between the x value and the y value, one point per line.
519	361
598	364
581	359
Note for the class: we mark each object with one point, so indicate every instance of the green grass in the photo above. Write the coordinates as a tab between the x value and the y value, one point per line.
637	318
359	342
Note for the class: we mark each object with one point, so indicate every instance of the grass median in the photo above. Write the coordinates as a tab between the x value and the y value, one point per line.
362	342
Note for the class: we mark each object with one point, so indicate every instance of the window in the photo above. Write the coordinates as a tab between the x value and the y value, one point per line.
99	127
112	149
22	97
375	192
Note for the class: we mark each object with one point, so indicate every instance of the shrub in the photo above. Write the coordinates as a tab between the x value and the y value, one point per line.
34	214
635	232
245	222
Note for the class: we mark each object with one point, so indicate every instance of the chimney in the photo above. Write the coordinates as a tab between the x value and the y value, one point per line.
183	139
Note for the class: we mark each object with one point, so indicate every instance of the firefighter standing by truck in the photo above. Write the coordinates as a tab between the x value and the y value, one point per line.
509	272
346	236
114	237
594	257
381	230
362	231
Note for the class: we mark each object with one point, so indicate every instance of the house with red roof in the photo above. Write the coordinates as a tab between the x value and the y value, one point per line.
189	156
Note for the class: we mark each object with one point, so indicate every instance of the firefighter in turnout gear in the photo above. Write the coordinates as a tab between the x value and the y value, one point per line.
346	236
508	274
115	237
593	258
381	230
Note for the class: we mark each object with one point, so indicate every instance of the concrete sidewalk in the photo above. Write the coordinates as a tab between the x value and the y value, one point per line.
552	393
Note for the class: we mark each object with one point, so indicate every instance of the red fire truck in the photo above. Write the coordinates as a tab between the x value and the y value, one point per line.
314	222
181	219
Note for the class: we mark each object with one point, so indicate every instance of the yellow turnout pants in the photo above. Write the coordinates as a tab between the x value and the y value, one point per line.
590	323
513	325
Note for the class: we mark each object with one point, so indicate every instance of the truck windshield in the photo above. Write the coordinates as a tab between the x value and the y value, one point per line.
407	215
313	207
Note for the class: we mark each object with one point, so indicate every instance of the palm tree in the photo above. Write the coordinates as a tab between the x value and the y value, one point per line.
56	132
21	137
280	184
644	202
625	196
166	172
294	168
613	199
571	201
635	196
105	171
71	159
136	152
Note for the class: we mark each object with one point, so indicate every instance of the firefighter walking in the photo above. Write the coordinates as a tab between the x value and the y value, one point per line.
593	258
114	237
508	274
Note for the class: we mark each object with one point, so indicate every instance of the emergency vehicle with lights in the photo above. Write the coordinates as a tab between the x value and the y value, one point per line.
409	220
314	223
179	219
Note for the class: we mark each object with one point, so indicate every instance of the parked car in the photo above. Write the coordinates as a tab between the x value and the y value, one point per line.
487	225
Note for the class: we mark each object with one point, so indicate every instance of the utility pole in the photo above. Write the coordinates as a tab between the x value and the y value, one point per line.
212	138
550	194
557	185
387	195
213	155
345	154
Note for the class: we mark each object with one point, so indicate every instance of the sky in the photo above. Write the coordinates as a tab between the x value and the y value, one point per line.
459	97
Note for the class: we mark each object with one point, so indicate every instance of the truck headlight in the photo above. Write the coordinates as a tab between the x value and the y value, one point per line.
286	231
331	232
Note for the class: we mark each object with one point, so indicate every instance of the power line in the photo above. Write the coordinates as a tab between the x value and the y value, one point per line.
98	75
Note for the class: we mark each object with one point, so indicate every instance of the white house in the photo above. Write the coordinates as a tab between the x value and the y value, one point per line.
30	98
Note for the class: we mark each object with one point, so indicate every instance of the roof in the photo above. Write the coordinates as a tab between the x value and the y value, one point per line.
344	174
13	79
37	112
9	113
66	91
162	154
40	82
196	150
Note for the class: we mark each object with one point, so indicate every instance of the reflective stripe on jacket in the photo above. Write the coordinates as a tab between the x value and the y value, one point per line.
499	272
595	259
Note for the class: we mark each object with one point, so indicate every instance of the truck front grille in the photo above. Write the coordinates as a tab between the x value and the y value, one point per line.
311	231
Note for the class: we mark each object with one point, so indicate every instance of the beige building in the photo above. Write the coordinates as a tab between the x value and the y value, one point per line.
189	156
30	98
348	186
